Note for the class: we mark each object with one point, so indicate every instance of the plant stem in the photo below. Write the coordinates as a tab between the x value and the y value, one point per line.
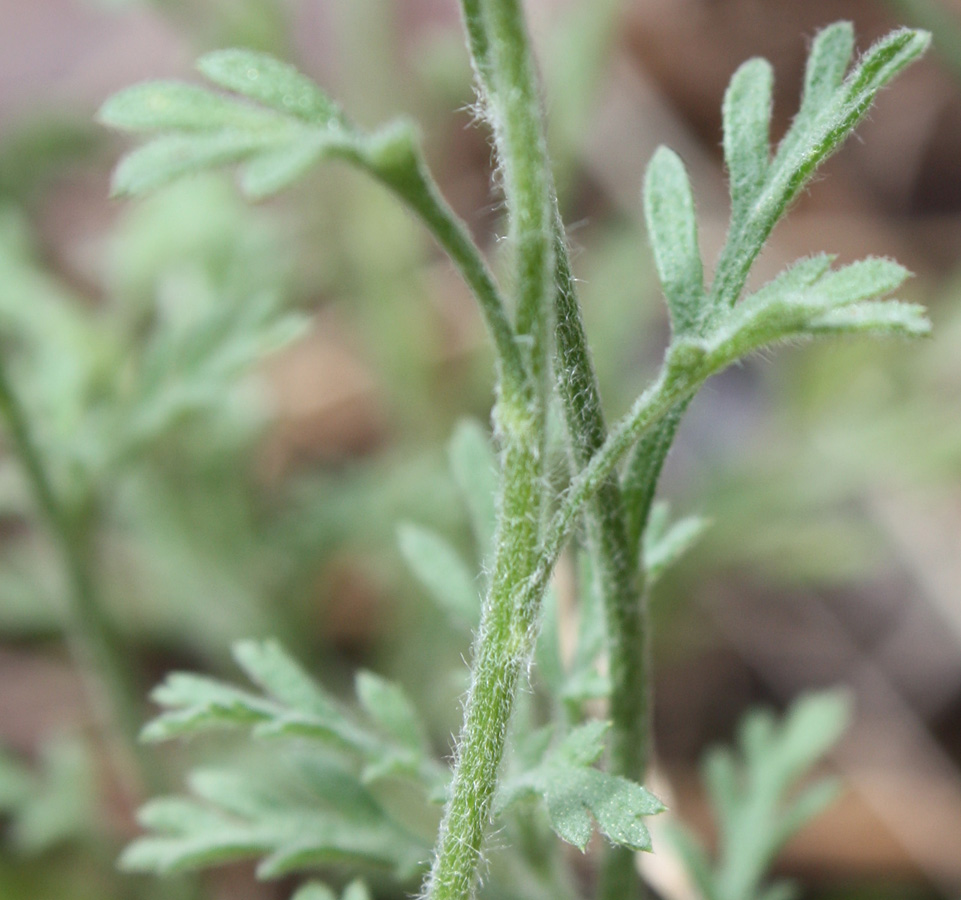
513	107
617	562
98	646
505	641
502	651
415	187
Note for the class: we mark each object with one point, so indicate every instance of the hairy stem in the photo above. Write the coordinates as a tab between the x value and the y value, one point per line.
616	561
504	645
502	651
98	646
513	106
416	188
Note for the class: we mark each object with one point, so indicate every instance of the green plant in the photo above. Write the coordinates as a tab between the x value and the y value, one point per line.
275	124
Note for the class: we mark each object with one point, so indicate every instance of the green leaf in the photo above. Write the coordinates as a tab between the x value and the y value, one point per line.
175	106
314	890
196	703
60	799
578	795
295	706
747	120
807	805
474	468
272	82
813	138
272	171
872	277
271	668
440	569
694	858
168	158
814	724
888	318
291	821
672	231
827	62
663	545
810	299
291	126
388	705
831	109
755	800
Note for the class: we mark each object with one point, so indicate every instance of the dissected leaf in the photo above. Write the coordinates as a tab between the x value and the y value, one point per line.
879	318
827	62
296	706
577	795
322	815
280	126
754	798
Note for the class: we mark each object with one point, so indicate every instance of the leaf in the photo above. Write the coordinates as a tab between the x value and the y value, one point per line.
754	798
578	795
814	724
663	545
747	120
175	106
827	62
440	569
282	125
314	890
831	108
272	82
474	468
54	804
672	231
269	666
883	318
810	299
295	706
388	705
813	137
693	857
871	277
167	158
317	816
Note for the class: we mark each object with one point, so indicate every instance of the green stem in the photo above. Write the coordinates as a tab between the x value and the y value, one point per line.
514	109
505	642
617	562
415	187
502	651
98	646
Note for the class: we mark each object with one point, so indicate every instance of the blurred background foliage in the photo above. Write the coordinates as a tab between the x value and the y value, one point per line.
254	397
